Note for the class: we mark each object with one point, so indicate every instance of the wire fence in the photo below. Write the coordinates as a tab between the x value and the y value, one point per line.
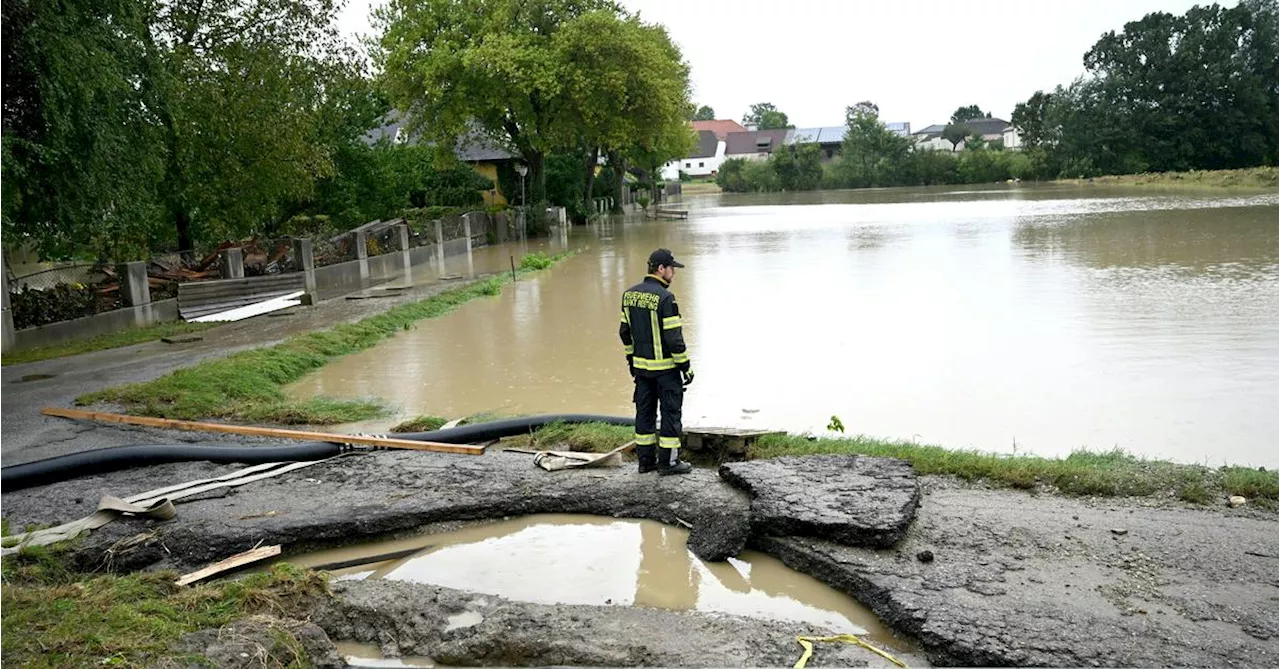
40	295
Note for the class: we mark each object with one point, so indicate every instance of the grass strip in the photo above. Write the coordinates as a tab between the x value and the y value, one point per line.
421	424
57	618
103	342
1083	473
249	386
1252	178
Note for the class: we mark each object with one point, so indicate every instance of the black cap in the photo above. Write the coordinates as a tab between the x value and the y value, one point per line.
663	257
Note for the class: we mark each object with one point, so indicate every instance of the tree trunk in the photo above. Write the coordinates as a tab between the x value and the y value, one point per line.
619	171
185	242
537	176
588	204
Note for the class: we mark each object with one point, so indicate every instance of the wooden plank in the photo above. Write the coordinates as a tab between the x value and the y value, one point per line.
278	433
233	562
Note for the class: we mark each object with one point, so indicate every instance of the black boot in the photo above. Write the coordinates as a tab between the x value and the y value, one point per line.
669	462
648	457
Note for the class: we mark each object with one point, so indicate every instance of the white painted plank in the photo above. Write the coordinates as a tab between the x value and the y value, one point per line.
255	309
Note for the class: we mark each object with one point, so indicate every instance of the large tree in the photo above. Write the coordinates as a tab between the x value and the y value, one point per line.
765	116
1197	91
956	133
871	153
494	63
1029	119
82	150
968	114
636	86
238	87
704	113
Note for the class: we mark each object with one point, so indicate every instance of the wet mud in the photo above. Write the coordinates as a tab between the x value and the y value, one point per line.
1013	579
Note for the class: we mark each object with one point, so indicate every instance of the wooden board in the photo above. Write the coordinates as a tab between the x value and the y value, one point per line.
237	560
278	433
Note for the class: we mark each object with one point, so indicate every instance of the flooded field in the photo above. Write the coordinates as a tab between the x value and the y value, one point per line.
1036	319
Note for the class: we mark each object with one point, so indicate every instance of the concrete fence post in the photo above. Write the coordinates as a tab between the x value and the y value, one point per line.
500	227
362	254
466	230
439	246
135	290
6	342
305	256
230	262
402	239
402	236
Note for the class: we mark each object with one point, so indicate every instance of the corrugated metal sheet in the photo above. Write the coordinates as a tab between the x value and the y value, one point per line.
201	298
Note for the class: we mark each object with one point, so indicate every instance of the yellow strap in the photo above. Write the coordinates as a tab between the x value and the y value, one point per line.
806	642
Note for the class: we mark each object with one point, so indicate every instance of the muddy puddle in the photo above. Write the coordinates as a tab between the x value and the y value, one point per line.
572	559
370	655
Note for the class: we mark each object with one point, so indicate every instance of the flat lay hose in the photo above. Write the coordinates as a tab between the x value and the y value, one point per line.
102	460
807	643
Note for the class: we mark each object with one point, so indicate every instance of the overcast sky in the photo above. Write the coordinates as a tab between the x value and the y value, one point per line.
917	59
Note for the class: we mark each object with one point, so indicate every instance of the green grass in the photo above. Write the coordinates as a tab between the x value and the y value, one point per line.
588	437
249	386
102	342
57	618
421	424
1253	178
699	188
1083	473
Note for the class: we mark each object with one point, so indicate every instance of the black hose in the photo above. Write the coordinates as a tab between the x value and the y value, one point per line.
74	465
98	461
509	427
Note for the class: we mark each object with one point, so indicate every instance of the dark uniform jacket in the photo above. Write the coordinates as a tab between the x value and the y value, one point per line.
651	330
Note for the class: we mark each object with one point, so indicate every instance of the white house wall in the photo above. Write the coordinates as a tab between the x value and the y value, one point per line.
695	167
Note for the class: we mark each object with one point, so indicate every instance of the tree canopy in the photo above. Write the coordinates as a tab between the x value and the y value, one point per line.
704	113
765	116
540	76
1166	93
968	114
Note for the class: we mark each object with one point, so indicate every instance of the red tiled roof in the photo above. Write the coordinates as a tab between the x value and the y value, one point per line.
721	128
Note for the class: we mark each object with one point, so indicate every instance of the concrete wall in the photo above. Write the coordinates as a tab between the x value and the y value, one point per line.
99	324
330	281
385	266
338	278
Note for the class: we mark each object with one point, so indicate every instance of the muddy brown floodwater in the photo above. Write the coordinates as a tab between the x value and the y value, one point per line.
1031	319
572	559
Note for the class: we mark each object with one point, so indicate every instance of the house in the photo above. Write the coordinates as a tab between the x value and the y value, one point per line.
721	127
991	129
754	144
703	161
828	138
930	139
996	129
476	149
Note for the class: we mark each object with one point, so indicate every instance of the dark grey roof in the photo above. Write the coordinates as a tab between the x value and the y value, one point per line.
934	130
472	147
707	145
476	147
988	126
754	141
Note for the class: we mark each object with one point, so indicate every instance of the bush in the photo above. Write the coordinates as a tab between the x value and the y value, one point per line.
536	260
63	302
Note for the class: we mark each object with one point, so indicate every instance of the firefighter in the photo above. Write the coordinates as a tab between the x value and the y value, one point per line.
659	363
